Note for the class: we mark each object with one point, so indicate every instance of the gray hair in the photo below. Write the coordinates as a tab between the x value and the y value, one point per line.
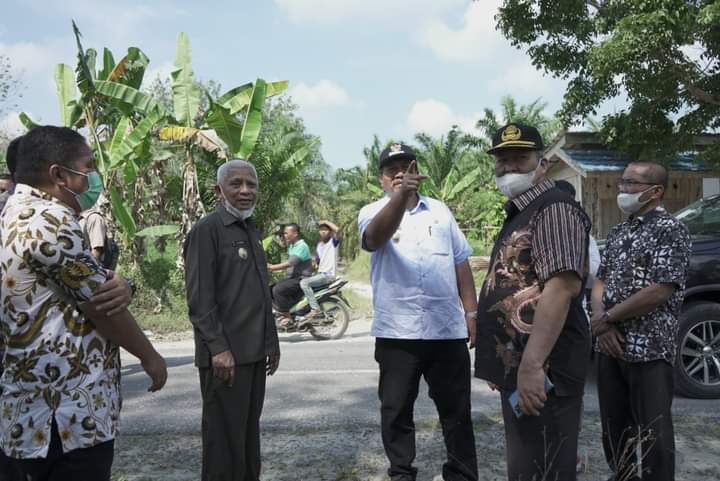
224	169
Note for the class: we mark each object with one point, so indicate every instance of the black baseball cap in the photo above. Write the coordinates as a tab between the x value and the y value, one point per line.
516	136
395	152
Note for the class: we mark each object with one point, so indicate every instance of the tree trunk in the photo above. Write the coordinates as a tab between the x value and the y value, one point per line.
158	202
193	207
138	213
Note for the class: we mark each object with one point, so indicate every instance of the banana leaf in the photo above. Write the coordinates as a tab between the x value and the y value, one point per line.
241	99
108	65
65	84
121	131
139	101
467	180
227	126
186	94
225	99
121	213
200	138
83	73
131	68
253	120
135	138
26	121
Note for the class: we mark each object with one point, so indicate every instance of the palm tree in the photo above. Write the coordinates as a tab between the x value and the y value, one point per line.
531	114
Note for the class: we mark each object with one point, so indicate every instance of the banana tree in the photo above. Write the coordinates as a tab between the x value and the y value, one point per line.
218	130
118	117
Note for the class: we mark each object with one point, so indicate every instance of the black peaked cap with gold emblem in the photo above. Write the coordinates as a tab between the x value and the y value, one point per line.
394	152
516	136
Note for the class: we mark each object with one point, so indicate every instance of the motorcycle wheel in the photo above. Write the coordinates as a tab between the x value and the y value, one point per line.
335	323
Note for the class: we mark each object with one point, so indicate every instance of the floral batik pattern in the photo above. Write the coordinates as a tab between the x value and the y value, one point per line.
56	365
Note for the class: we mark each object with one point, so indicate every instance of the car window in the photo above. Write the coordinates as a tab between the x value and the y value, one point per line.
702	217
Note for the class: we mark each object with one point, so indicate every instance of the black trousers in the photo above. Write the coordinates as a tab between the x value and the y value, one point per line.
445	365
543	448
287	293
231	424
636	399
86	464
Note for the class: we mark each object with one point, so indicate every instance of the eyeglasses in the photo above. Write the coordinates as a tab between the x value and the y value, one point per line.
632	183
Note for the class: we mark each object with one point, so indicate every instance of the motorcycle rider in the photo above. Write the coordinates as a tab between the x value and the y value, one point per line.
326	253
287	292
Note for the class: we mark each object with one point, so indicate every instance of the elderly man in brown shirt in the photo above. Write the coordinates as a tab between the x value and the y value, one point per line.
236	343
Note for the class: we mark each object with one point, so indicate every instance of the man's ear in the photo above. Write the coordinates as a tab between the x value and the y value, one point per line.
218	192
57	175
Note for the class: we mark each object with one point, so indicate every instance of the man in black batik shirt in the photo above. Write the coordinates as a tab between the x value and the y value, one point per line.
635	303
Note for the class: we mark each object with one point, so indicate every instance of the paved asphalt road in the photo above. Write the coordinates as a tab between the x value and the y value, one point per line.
318	384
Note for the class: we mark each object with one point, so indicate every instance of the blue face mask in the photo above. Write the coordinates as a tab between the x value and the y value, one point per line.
86	200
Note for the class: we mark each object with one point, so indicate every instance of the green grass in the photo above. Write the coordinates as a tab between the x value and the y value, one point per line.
359	269
159	303
361	305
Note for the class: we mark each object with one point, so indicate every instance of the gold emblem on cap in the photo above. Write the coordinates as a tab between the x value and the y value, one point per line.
510	133
395	149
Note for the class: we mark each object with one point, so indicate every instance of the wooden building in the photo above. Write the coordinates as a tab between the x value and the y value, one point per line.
593	169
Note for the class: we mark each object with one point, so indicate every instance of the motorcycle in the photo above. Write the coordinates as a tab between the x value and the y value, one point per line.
335	313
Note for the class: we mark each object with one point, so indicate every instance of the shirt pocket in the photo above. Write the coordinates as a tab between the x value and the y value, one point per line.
439	240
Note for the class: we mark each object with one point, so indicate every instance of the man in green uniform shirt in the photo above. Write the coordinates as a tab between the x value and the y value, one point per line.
287	292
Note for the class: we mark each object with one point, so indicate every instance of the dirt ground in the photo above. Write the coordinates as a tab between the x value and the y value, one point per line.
355	453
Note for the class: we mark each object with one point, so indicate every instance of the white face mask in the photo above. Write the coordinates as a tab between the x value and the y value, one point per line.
241	214
631	203
512	185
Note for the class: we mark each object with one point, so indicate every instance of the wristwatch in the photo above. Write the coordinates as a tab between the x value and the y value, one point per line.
606	316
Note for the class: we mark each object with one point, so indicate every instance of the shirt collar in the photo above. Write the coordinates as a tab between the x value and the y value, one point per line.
34	192
526	198
422	204
25	189
647	216
229	219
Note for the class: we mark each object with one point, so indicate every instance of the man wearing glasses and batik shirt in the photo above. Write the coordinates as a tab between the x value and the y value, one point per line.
636	300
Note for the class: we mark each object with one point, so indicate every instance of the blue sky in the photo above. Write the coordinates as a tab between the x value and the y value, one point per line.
356	67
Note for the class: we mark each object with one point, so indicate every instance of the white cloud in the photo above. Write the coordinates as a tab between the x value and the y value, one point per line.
325	93
11	126
29	57
399	13
435	118
476	39
522	79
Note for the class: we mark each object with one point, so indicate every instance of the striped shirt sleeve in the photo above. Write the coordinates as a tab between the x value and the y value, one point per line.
560	238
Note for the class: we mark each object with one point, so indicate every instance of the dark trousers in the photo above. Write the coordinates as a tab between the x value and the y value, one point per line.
636	398
87	464
445	365
231	424
543	448
287	293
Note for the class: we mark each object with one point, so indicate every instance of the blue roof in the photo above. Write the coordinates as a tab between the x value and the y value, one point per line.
608	160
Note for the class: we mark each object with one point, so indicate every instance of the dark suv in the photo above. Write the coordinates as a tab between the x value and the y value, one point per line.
697	368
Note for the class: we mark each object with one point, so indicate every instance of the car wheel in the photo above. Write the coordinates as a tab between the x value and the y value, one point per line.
697	367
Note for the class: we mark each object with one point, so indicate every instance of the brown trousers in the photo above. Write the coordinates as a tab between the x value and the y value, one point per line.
231	424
